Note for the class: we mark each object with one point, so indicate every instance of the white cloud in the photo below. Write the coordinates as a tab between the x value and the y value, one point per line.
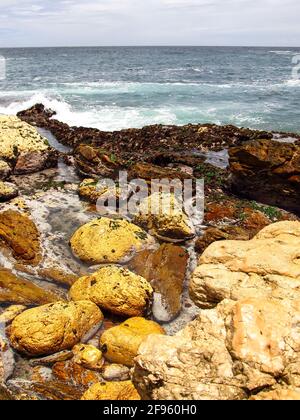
110	22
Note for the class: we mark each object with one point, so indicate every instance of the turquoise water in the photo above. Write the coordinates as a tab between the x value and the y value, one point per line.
114	88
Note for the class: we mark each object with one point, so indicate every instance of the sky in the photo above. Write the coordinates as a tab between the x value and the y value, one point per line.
29	23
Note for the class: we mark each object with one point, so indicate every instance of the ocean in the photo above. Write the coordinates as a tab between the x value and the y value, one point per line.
120	87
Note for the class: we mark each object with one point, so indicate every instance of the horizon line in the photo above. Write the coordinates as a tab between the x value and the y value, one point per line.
152	46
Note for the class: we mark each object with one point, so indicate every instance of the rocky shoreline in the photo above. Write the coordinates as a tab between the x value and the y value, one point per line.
152	307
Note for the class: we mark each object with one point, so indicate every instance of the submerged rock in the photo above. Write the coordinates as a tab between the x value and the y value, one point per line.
120	344
227	353
7	365
266	266
58	275
52	328
116	372
53	390
268	172
8	191
9	314
116	290
112	391
163	216
20	235
24	147
104	241
74	374
20	291
165	269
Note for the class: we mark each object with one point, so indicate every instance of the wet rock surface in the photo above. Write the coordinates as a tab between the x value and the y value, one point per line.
18	290
165	269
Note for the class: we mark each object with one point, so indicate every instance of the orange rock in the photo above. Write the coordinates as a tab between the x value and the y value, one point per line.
20	234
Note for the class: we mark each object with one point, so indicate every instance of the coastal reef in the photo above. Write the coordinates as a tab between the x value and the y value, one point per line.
161	302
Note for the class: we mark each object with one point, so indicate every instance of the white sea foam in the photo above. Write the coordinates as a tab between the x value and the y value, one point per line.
103	117
293	82
282	52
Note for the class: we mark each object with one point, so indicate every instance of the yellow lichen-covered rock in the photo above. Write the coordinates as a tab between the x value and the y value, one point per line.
17	136
23	147
20	234
112	391
120	344
116	290
163	216
92	191
51	328
8	191
107	240
266	266
88	356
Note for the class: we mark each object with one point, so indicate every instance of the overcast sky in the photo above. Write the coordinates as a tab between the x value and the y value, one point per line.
149	22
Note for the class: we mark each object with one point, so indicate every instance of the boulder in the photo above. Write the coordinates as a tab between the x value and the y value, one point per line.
55	327
8	191
266	266
20	235
116	290
163	216
20	291
24	147
105	241
165	269
120	344
112	391
228	353
268	172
